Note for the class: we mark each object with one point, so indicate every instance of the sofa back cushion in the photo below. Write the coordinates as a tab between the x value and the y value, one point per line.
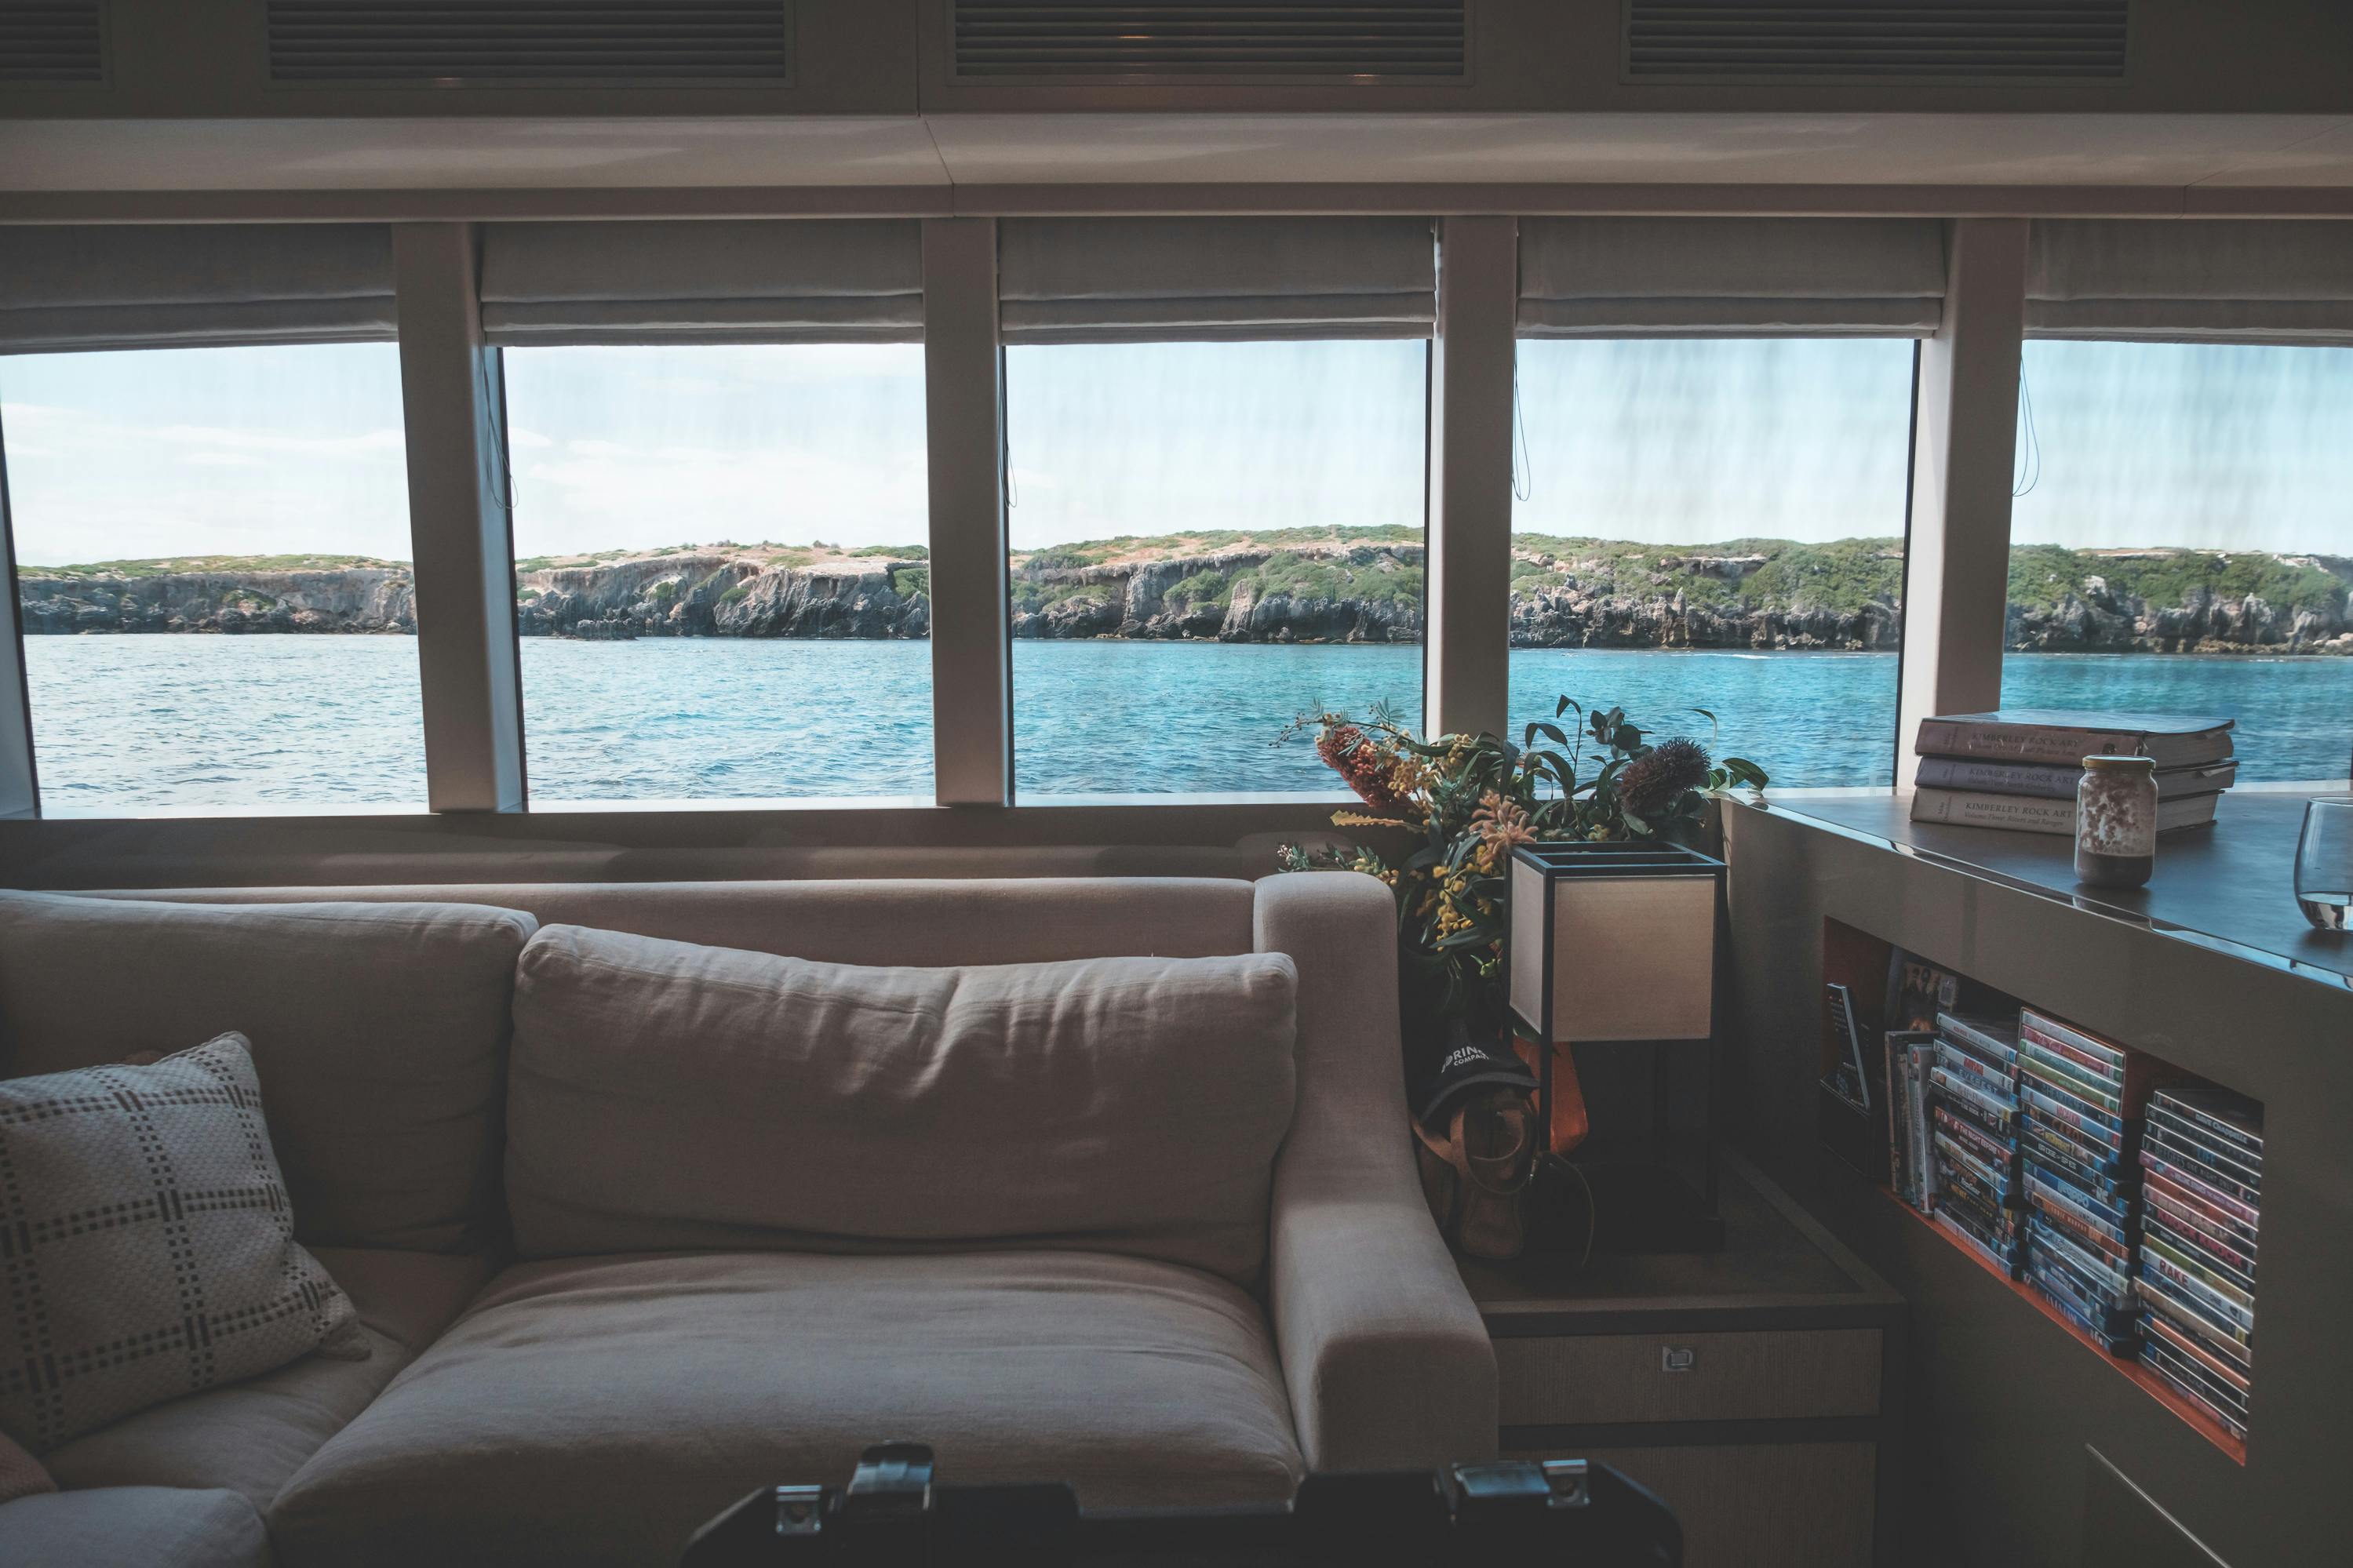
935	921
379	1032
664	1095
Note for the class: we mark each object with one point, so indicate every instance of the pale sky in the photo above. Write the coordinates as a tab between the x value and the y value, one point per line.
1114	438
645	446
263	451
288	450
1698	440
2216	446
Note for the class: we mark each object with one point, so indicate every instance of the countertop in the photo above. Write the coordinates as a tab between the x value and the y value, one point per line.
1777	1268
2230	884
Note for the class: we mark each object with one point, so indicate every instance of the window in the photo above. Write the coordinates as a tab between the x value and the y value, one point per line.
248	507
1207	541
2182	543
720	578
1717	523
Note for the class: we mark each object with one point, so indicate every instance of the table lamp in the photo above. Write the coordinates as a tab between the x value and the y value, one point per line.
1614	944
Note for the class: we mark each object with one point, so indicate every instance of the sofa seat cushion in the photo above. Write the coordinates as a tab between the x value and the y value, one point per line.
133	1527
595	1411
248	1438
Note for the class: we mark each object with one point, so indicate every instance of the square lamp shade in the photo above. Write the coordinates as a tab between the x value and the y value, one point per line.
1613	941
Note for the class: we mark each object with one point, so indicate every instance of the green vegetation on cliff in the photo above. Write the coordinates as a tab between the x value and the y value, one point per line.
1207	588
1134	547
1303	563
169	565
1320	577
1029	595
2042	575
1841	576
767	553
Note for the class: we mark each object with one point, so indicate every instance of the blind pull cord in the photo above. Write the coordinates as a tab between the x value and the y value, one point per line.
2029	446
1524	473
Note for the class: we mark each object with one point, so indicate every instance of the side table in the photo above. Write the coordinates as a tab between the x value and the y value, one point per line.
1750	1387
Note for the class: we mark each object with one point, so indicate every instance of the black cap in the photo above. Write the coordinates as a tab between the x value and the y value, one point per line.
1468	1065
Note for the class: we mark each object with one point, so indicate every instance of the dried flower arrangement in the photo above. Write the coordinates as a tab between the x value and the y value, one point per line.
1466	800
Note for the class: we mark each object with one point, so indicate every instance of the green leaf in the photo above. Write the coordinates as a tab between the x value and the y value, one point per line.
1552	733
1744	771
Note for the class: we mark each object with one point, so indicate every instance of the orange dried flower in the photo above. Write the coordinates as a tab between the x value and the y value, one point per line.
1361	764
1500	824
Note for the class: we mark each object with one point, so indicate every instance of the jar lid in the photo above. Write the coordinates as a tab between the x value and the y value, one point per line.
2120	765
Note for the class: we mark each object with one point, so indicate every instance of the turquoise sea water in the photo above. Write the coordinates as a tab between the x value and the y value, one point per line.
238	724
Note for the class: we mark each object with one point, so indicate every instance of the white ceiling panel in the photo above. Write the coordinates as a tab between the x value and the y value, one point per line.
614	166
2322	159
1587	149
462	153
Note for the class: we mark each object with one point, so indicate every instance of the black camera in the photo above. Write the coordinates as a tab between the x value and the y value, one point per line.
1569	1512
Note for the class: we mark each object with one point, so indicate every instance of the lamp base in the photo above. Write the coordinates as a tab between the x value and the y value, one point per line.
1636	1205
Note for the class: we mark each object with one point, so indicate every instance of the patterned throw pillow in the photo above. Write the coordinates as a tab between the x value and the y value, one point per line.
146	1245
21	1475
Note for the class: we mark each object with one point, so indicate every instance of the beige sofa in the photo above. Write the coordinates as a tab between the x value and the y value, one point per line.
521	1406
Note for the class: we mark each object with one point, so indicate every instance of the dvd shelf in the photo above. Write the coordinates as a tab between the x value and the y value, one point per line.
2118	1196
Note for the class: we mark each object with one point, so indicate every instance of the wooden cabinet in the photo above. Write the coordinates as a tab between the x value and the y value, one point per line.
1762	1376
1747	1387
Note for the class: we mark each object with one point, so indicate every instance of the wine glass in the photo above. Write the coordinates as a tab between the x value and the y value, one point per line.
2324	862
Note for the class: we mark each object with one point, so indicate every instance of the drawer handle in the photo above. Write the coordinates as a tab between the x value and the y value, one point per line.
1678	1358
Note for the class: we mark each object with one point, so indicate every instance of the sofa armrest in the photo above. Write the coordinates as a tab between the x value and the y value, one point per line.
1386	1360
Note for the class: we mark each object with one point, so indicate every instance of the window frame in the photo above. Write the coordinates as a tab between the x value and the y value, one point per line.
20	783
506	467
1896	725
1329	794
1956	537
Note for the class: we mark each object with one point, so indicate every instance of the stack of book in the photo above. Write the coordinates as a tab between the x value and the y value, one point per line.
2073	1139
2018	768
1972	1130
2201	1155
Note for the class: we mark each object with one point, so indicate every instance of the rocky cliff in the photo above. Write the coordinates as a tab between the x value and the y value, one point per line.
2178	601
1281	588
1342	592
726	593
372	597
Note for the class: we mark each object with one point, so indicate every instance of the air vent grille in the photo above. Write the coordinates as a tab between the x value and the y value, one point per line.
2080	40
1126	40
44	41
527	40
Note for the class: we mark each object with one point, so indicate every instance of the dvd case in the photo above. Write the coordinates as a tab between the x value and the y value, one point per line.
2201	1157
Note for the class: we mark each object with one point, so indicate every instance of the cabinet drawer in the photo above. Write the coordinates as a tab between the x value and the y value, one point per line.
1584	1380
1770	1505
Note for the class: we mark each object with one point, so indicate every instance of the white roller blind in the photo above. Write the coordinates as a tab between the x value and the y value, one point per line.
185	286
2191	281
752	281
1700	277
1185	278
